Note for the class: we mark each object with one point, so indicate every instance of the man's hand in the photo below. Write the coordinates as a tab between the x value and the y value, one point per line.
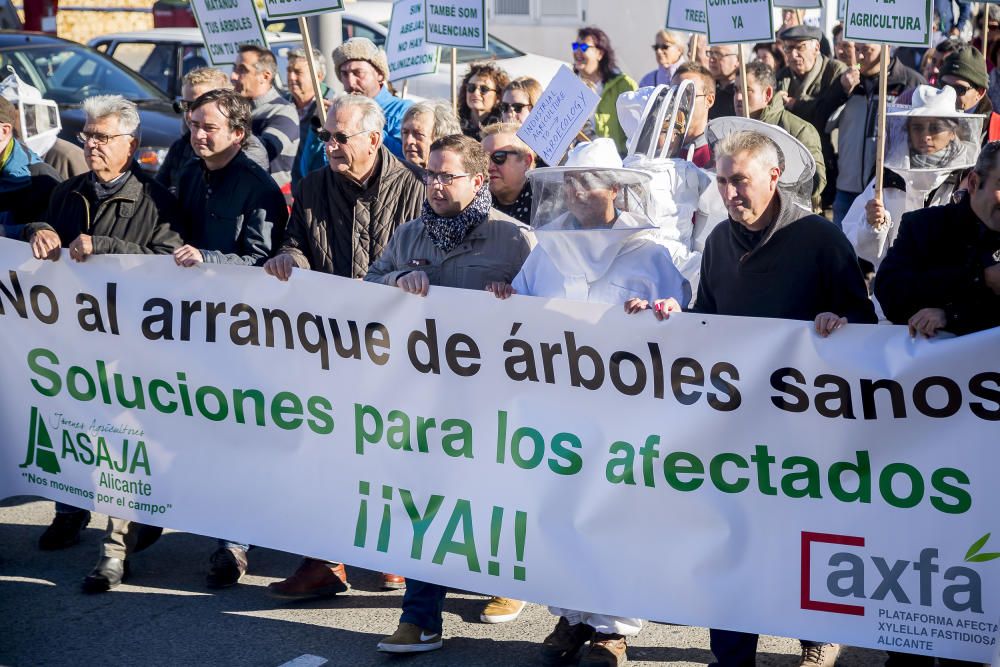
663	307
45	244
827	323
850	79
414	282
280	266
635	304
81	247
991	276
500	289
875	213
927	322
188	256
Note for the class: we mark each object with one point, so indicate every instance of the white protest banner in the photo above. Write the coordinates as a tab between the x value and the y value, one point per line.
405	49
557	117
739	21
296	8
901	22
686	15
456	23
845	487
226	25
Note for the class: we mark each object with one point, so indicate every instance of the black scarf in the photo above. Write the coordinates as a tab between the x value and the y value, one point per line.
446	233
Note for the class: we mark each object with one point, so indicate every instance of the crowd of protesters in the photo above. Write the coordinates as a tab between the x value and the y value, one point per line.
776	216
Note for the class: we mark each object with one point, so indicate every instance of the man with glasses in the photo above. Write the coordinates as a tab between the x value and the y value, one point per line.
510	160
112	209
965	70
697	149
457	240
724	64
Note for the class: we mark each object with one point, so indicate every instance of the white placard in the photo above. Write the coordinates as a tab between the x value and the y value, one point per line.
227	24
739	21
557	117
686	15
901	22
408	54
456	23
284	9
841	9
798	4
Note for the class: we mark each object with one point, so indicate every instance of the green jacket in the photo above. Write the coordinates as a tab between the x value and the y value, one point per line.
776	114
606	115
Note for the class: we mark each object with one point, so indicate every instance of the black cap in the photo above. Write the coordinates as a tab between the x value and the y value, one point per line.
800	33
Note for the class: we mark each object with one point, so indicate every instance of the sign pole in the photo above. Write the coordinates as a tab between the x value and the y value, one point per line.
693	47
743	81
406	85
454	81
883	77
311	61
986	30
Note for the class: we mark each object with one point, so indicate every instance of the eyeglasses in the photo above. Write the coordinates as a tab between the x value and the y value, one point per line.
514	107
960	90
326	135
719	55
182	106
796	47
500	157
99	138
663	47
432	177
582	46
471	88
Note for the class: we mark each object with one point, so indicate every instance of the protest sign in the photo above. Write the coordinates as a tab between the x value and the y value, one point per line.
844	486
686	15
798	4
557	117
405	49
227	24
297	8
899	22
739	21
841	9
456	23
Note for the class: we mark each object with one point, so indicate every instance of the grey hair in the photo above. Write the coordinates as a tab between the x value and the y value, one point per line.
675	36
445	122
372	117
103	106
318	58
761	148
987	160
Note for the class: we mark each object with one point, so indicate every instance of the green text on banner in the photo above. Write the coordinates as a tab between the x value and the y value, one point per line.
739	21
456	23
226	25
902	22
686	15
407	52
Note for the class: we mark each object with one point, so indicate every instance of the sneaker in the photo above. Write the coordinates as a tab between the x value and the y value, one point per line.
64	531
313	579
605	651
228	565
410	638
501	610
823	655
563	643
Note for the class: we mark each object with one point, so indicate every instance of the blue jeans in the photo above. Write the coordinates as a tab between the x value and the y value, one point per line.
738	649
423	604
841	205
946	12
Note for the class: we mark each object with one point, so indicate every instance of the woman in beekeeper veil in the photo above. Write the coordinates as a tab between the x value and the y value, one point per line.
930	147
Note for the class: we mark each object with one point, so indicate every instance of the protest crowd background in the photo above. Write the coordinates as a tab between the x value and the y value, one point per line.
760	204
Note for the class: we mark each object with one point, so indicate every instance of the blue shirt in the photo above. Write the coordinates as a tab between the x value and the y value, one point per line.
394	108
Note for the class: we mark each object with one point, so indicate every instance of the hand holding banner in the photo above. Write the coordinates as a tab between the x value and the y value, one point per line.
557	117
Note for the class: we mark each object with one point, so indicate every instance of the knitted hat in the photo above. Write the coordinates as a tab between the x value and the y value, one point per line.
967	64
361	48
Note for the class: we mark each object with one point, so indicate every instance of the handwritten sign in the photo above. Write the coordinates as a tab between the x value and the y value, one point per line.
557	117
456	23
737	21
903	22
281	9
686	15
227	24
408	54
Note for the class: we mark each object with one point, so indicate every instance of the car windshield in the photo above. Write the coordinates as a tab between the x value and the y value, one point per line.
68	74
495	50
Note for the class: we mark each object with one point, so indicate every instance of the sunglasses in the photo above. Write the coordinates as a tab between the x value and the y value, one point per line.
500	157
514	107
326	135
960	90
582	46
718	55
663	47
471	88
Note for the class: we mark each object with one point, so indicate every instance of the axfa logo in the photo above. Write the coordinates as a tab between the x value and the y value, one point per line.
852	572
81	449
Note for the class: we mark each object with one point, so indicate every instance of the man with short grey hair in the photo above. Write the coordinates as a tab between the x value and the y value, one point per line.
423	124
302	93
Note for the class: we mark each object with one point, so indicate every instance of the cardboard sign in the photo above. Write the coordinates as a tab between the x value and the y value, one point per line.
456	23
227	24
798	4
902	22
739	21
408	54
557	117
282	9
686	15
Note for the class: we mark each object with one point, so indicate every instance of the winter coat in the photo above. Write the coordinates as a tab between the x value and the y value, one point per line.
180	155
276	123
26	184
393	107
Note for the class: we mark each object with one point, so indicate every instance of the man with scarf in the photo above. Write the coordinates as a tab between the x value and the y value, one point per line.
26	183
459	240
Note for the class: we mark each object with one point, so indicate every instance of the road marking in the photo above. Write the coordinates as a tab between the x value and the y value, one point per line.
305	660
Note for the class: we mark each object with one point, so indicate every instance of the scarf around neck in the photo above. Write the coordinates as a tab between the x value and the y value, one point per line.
447	233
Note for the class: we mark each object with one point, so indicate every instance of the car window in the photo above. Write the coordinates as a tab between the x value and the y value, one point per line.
153	62
354	29
496	50
69	74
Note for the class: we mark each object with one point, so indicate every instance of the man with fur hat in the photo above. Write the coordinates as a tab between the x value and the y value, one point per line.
363	70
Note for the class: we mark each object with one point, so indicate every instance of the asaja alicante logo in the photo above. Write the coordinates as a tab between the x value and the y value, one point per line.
40	449
123	456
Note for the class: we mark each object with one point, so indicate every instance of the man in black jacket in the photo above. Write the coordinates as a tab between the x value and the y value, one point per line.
772	258
26	183
943	270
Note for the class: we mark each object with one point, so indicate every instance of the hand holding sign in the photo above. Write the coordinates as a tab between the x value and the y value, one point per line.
560	113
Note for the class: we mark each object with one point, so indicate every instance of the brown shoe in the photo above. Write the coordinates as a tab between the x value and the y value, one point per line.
392	582
563	643
605	651
313	579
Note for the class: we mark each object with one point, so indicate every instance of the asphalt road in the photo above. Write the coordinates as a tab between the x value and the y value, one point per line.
166	616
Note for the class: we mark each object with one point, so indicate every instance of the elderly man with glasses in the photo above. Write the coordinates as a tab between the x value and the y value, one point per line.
724	64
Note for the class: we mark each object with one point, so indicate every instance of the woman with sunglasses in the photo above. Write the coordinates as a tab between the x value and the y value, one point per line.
669	47
479	103
519	98
594	62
